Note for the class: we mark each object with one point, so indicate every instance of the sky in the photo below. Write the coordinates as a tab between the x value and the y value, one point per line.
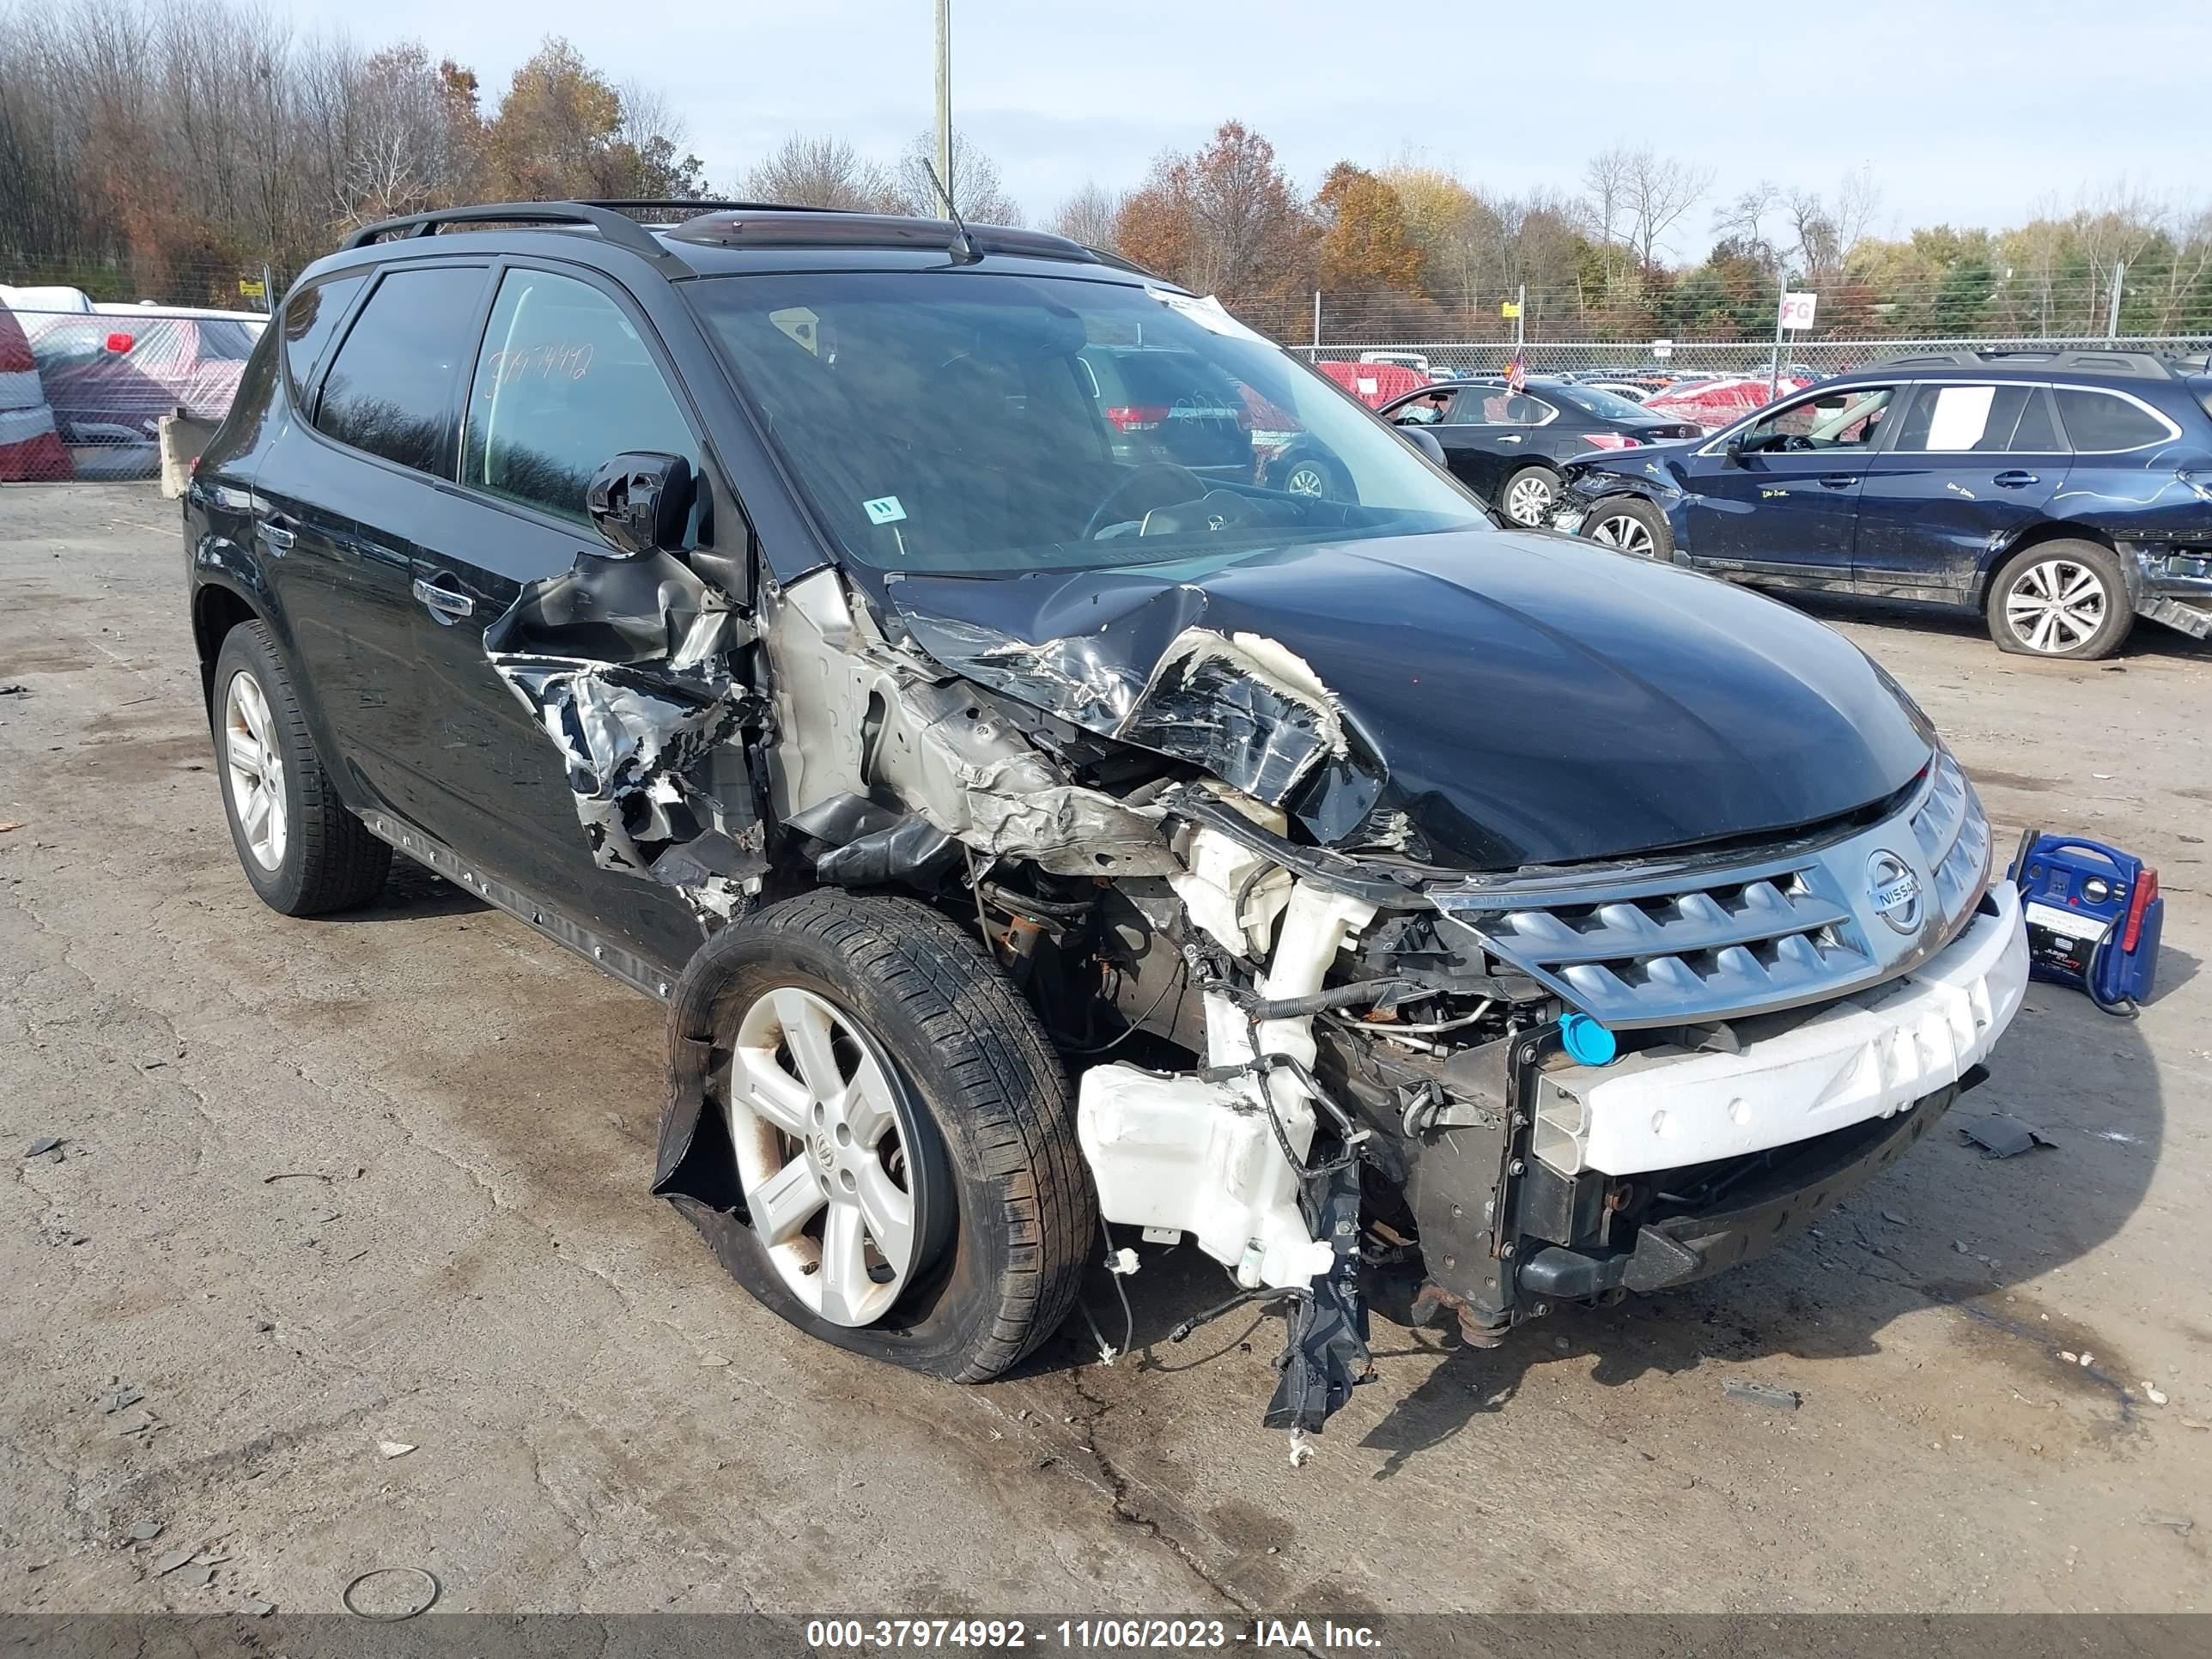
1968	111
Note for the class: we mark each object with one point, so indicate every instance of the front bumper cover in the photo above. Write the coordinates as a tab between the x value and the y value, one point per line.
1867	1056
1789	1196
1516	1209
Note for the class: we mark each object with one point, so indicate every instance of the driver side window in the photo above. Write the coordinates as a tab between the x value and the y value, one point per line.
1835	420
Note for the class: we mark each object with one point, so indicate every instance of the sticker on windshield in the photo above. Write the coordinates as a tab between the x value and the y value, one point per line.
885	509
1207	313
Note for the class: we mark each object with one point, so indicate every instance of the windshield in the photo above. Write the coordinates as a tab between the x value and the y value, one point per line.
963	422
1605	405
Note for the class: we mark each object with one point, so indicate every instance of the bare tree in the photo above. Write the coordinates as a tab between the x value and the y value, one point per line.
824	172
1659	193
1088	215
1604	191
1743	222
976	190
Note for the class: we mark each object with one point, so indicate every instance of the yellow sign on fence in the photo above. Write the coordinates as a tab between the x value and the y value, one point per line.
1509	308
251	287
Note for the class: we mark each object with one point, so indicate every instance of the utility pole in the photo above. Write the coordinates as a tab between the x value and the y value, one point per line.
944	94
2112	316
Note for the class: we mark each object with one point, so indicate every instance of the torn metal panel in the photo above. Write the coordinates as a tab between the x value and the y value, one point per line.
856	716
629	667
1245	707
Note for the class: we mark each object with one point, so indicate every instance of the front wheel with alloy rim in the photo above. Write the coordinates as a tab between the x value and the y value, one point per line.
1526	496
901	1135
1630	527
302	850
2060	599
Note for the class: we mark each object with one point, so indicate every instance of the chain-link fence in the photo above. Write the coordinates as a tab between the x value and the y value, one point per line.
1809	360
82	393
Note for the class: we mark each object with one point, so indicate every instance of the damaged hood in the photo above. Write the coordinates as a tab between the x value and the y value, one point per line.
1485	698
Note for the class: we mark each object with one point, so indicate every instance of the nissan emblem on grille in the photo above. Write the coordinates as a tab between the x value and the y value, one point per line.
1895	891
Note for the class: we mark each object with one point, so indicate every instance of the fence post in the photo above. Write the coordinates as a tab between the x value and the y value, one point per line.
1774	370
2112	316
1317	320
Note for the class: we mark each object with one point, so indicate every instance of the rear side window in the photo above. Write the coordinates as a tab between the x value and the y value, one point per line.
390	390
1977	420
2101	423
311	318
563	385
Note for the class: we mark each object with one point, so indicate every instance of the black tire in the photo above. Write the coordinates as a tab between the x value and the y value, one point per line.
1630	526
1527	474
998	1124
2023	619
329	861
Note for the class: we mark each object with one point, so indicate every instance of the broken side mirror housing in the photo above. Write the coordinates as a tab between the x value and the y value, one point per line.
1424	440
640	502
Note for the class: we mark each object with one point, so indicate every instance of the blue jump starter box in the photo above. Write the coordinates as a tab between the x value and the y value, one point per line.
2093	915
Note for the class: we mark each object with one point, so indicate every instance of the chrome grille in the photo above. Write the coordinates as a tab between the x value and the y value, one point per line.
1713	943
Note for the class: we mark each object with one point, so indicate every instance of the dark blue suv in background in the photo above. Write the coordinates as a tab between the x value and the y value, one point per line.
2062	493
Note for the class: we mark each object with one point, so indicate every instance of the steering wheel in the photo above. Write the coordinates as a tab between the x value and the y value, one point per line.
1164	474
1795	441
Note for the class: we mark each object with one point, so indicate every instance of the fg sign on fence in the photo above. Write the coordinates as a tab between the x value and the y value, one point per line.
1797	310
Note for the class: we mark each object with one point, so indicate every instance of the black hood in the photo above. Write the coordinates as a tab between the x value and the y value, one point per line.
1519	699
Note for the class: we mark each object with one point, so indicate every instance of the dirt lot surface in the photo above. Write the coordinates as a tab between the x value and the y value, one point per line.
325	1185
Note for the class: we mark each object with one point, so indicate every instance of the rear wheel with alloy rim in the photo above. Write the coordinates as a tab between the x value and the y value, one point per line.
1527	495
2060	599
1630	527
302	850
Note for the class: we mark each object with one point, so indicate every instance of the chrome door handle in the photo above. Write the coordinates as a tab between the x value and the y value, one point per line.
447	606
2014	480
280	539
1510	438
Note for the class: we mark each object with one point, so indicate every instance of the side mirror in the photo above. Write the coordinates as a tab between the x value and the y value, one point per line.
1425	440
640	502
1734	448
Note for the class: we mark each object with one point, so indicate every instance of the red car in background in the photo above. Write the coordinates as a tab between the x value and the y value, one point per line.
110	375
1374	384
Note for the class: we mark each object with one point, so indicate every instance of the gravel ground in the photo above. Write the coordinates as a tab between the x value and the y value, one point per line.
326	1185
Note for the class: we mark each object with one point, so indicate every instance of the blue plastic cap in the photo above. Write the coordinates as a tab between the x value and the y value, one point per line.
1588	1042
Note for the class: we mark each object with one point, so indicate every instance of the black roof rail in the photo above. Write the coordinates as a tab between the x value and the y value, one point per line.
615	228
820	228
1106	256
692	209
2146	365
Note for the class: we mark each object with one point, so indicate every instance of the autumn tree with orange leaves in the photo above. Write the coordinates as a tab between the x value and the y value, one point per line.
1223	220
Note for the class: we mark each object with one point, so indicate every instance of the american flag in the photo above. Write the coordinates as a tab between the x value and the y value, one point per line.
1516	372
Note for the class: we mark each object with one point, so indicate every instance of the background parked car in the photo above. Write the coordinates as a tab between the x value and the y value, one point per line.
1509	446
111	374
1163	405
2063	493
1713	404
1374	384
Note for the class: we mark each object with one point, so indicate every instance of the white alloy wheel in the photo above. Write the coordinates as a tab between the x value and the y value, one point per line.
1306	479
815	1121
1624	532
256	765
2053	605
1529	498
